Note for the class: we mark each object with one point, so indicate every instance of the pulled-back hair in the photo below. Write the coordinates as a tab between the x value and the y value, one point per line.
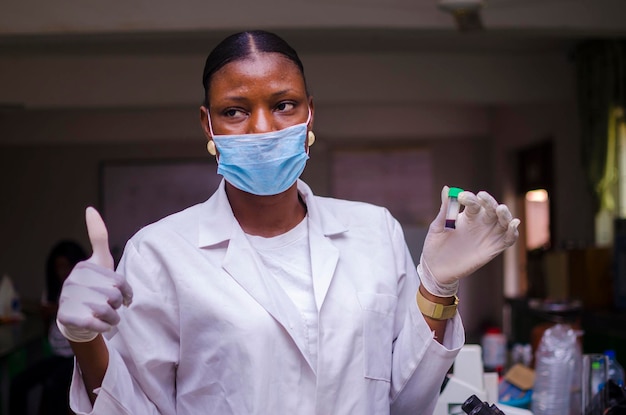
241	46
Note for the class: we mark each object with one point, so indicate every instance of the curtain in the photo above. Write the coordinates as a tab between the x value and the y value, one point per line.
601	77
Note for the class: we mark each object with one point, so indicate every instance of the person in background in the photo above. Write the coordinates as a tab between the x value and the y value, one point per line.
53	373
267	299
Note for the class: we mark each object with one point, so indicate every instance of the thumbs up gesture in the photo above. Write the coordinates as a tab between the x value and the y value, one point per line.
93	291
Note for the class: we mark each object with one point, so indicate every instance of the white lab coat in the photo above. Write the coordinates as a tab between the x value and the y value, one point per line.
209	332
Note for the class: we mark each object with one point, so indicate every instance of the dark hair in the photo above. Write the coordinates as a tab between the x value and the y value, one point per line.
240	46
68	249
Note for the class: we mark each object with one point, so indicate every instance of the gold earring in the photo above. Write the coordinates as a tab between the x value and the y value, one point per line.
311	137
210	147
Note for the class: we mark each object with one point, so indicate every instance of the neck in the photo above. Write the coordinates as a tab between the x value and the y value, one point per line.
266	216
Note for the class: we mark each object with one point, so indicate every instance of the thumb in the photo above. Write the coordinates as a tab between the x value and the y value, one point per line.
99	238
438	223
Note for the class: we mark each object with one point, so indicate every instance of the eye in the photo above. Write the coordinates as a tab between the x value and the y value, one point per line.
285	106
234	113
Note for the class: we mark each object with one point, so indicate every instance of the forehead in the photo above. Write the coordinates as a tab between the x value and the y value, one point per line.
257	71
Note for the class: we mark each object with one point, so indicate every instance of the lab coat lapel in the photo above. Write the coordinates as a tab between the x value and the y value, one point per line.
219	226
323	227
243	265
324	256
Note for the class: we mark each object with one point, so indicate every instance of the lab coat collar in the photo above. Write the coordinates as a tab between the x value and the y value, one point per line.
217	222
318	214
218	225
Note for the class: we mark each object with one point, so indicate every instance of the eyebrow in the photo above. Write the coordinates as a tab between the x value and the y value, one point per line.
276	94
283	92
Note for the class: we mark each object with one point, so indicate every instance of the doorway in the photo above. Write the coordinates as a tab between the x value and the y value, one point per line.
535	196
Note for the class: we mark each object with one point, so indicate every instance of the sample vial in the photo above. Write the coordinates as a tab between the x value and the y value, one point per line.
453	207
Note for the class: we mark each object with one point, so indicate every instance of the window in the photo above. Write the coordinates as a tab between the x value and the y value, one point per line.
537	219
621	143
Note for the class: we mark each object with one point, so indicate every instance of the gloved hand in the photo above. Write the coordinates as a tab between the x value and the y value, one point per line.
483	230
93	291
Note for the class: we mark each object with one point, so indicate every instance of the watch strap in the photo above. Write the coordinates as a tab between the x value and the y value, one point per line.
434	310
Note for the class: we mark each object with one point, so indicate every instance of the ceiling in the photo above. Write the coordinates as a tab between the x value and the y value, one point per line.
41	31
147	26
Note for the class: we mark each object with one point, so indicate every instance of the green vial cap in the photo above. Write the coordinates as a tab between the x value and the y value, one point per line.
454	191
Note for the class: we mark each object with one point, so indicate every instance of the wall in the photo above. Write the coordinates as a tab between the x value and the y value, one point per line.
473	109
45	190
87	79
519	126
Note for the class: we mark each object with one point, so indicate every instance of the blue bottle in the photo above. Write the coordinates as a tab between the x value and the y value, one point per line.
615	370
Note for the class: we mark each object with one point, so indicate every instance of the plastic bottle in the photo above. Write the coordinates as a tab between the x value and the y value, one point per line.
16	305
594	376
577	377
554	368
615	370
493	344
597	377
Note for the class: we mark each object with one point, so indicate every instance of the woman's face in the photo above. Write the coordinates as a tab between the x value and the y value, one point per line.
262	93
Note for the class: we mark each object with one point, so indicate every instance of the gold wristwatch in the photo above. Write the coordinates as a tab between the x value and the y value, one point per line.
434	310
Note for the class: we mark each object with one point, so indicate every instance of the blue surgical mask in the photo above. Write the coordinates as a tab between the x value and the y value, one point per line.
262	164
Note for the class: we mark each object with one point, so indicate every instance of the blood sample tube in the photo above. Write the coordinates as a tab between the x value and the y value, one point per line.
453	207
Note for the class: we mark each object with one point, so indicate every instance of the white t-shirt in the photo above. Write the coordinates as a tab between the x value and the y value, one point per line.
287	257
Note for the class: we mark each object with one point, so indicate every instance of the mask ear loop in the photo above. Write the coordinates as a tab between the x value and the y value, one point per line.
310	133
211	148
208	116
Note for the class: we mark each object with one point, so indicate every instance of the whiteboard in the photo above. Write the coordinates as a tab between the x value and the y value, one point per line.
135	194
401	179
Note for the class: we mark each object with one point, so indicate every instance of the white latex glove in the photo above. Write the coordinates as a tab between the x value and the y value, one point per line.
483	230
93	291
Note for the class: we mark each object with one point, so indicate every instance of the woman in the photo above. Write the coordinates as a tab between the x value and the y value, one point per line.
266	299
52	373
